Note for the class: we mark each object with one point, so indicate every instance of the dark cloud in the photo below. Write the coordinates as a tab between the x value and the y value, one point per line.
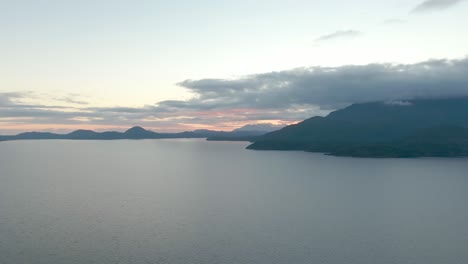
339	35
8	98
289	95
432	5
332	87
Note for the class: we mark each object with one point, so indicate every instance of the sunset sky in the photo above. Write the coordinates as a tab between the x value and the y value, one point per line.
182	65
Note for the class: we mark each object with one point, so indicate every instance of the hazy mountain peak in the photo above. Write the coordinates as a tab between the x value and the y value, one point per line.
264	127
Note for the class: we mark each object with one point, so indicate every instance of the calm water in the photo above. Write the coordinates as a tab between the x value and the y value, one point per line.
191	201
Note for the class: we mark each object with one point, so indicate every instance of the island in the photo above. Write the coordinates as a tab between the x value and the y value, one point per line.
137	132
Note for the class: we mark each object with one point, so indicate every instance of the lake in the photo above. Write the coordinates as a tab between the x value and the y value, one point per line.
192	201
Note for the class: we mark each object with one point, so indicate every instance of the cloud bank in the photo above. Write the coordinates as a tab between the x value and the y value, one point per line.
432	5
284	96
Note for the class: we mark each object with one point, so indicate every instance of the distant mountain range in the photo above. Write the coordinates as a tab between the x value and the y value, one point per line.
413	128
137	133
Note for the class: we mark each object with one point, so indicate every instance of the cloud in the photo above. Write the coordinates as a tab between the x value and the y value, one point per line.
333	87
71	100
399	103
394	21
433	5
339	35
276	97
8	98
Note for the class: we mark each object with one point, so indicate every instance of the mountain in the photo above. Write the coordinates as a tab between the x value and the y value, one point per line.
136	133
264	127
82	134
245	133
412	128
236	136
140	133
440	141
368	129
37	135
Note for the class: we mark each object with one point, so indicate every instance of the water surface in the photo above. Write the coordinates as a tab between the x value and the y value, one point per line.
192	201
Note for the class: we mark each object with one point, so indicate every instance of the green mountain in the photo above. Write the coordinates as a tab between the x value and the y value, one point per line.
380	129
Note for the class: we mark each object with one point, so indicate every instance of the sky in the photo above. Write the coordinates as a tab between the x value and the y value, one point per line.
183	65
